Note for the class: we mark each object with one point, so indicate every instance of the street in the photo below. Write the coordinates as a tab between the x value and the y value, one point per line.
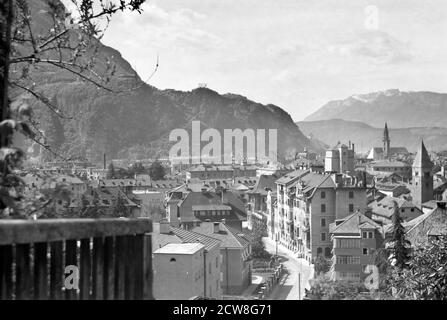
287	289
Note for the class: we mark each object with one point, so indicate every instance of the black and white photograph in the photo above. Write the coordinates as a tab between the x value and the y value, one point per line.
222	154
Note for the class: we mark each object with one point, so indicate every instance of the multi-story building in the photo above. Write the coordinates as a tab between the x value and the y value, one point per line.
307	202
283	212
381	167
191	208
320	200
340	159
257	199
235	252
355	238
383	209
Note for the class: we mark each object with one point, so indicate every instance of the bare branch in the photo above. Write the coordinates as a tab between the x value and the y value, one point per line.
42	99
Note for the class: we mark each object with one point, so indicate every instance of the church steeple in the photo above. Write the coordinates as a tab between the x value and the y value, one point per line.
422	176
386	142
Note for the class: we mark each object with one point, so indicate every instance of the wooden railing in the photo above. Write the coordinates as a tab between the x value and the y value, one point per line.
76	259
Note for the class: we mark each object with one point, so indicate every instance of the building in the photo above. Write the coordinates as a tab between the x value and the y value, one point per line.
320	200
381	167
272	221
392	189
355	238
307	202
208	171
257	199
152	195
383	209
192	208
386	152
235	251
283	211
179	271
164	234
431	224
340	159
422	182
104	201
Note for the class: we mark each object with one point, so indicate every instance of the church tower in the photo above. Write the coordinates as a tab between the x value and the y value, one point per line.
386	143
422	177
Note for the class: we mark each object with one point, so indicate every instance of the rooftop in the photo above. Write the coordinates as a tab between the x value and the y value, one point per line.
180	248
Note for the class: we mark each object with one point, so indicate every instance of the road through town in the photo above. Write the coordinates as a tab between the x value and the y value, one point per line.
287	289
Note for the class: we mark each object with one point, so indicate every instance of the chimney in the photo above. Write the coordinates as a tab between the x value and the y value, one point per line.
223	221
216	228
353	148
164	227
349	144
105	162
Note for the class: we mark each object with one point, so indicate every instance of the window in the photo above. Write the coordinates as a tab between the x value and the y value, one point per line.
365	251
319	251
323	195
351	194
347	243
370	235
351	208
412	210
348	260
323	208
327	252
209	269
217	262
323	222
323	236
364	235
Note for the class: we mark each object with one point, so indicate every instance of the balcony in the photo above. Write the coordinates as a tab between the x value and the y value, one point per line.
113	257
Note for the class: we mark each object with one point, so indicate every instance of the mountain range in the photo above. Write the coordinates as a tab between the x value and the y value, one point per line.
135	120
365	136
398	108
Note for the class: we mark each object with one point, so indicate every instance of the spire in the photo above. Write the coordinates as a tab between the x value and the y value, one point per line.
386	142
386	135
422	159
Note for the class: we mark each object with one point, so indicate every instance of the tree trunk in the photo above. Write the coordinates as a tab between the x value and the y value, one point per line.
6	16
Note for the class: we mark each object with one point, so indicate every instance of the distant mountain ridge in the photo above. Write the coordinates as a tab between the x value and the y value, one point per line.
400	109
135	124
365	136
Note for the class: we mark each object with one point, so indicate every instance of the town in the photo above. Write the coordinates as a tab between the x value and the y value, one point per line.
248	231
203	150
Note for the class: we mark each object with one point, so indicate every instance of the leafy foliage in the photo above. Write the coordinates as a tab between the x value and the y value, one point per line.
321	264
425	277
399	246
157	171
258	247
324	288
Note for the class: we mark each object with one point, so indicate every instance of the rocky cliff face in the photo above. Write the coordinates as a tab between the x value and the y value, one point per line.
399	109
136	123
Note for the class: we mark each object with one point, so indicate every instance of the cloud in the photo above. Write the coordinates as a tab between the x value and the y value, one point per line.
377	46
159	28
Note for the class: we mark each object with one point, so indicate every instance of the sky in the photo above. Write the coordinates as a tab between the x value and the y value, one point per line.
297	54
